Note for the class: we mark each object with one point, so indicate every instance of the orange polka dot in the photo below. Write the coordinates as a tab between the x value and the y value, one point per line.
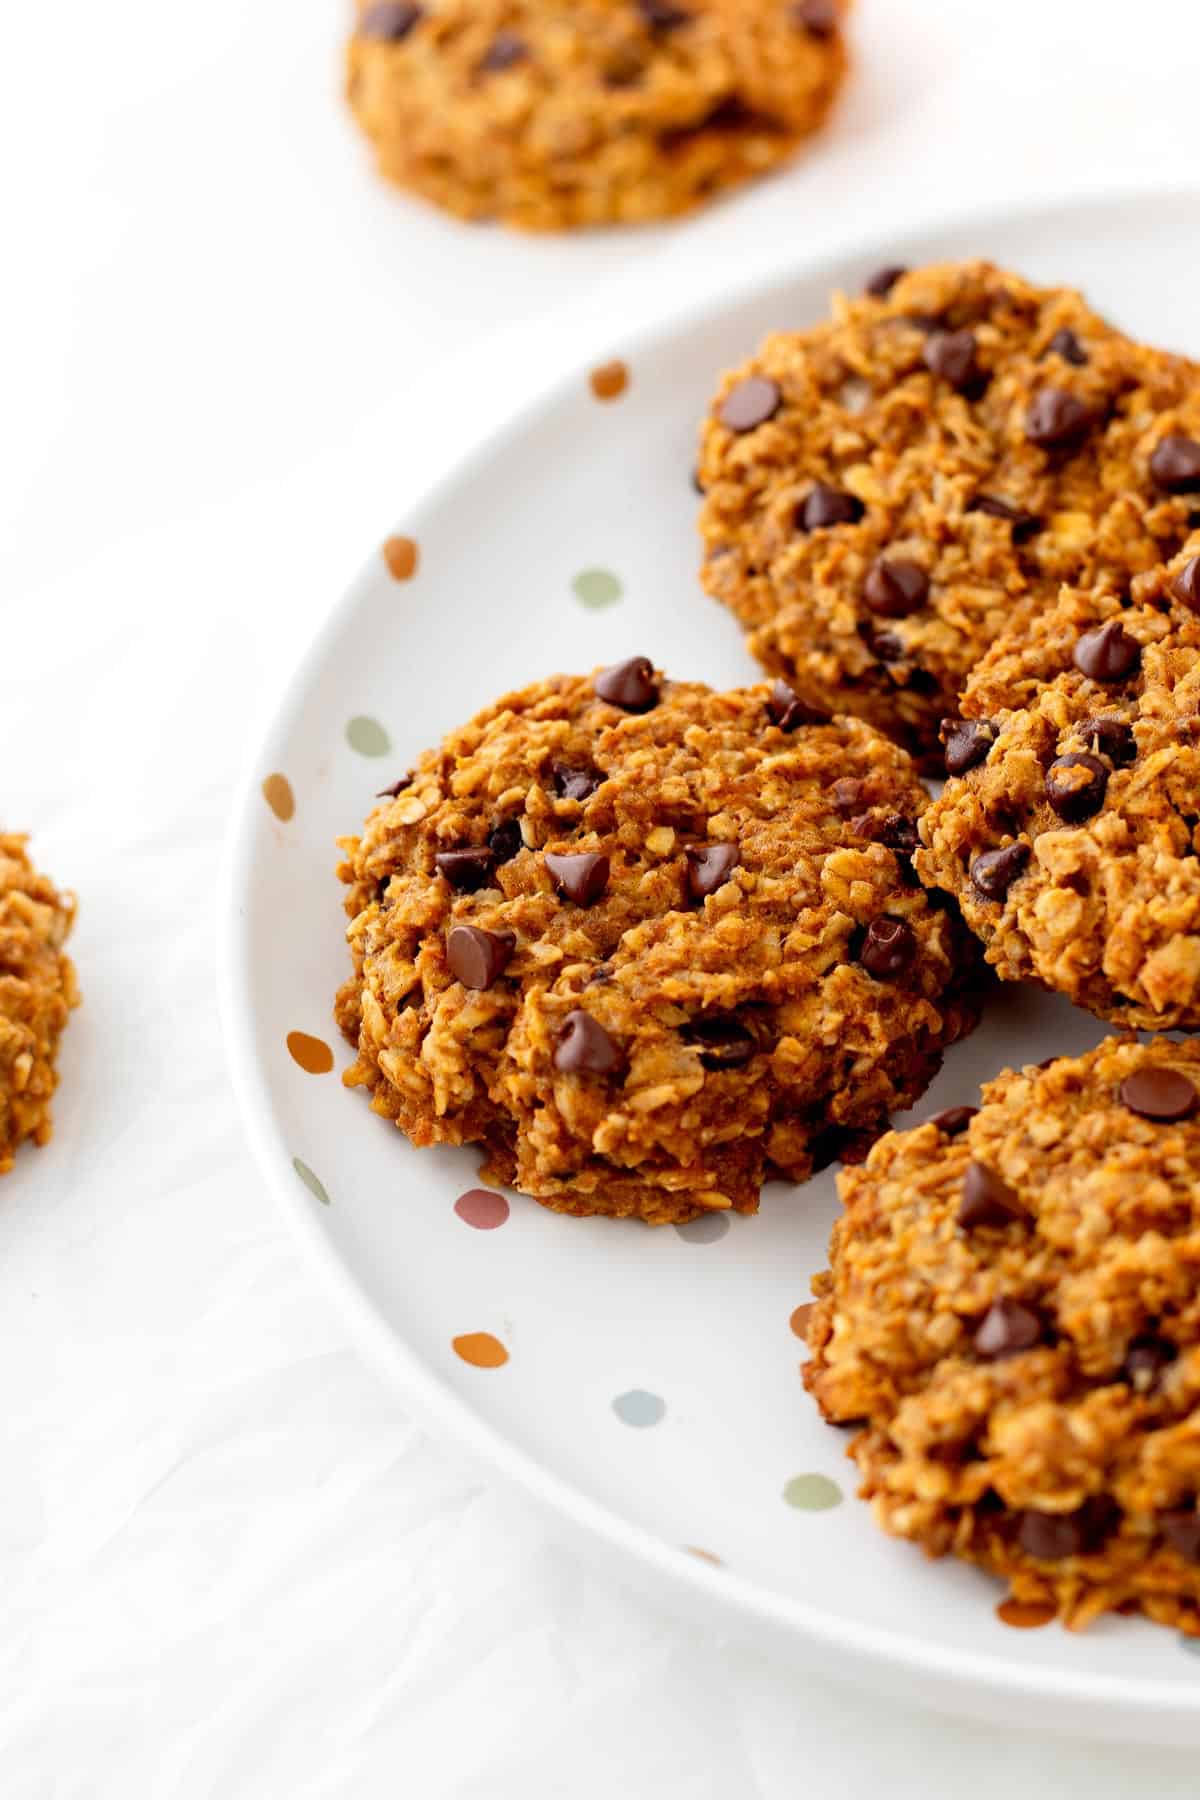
481	1350
277	792
1025	1615
800	1318
401	556
609	381
312	1053
707	1556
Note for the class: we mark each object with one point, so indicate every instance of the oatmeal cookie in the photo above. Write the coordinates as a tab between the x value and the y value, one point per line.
1070	828
885	492
648	943
1012	1318
37	992
548	115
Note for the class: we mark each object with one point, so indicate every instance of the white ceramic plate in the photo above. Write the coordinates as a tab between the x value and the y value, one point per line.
649	1386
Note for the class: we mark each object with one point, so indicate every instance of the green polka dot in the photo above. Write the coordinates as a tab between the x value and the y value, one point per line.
812	1493
596	587
1190	1644
312	1182
368	737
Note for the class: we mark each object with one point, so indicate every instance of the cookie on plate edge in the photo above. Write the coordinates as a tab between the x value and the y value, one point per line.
37	991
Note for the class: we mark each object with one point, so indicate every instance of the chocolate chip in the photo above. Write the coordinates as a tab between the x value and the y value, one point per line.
1064	343
1075	799
573	782
504	52
950	355
388	24
397	788
967	743
1057	419
1113	737
986	1199
888	646
891	829
581	878
954	1121
884	280
1146	1358
818	17
478	957
786	709
1159	1094
660	15
1006	1328
1186	585
584	1047
895	587
629	685
697	484
1052	1536
824	506
1181	1528
1175	464
846	795
750	404
889	948
993	873
505	840
725	1042
1108	653
467	870
1024	524
709	867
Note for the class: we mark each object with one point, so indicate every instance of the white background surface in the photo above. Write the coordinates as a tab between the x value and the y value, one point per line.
230	1567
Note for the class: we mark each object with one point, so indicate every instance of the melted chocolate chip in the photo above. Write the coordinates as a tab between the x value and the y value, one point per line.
476	957
1112	737
846	795
1108	653
1181	1528
884	280
1159	1094
1057	420
581	878
1186	585
660	15
396	789
388	24
818	17
954	1121
889	948
891	829
725	1042
1064	343
888	646
950	355
786	709
709	867
1073	797
967	743
584	1047
571	782
505	840
1007	1328
825	506
1024	524
467	870
750	404
504	52
629	685
1175	464
987	1199
993	873
895	587
1146	1358
1050	1537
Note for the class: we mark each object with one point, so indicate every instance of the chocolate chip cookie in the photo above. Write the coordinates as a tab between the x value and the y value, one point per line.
1070	828
886	492
547	115
649	944
37	992
1012	1319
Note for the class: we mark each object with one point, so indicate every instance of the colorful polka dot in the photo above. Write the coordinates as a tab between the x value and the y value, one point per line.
639	1408
312	1053
482	1208
704	1230
480	1349
1025	1615
799	1319
368	737
812	1493
402	556
610	380
277	792
312	1182
596	587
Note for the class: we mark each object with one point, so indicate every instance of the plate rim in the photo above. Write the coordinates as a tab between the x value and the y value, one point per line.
968	1680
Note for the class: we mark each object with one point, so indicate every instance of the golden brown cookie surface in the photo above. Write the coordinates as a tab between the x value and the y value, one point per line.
548	115
648	943
37	991
1069	831
887	492
1012	1314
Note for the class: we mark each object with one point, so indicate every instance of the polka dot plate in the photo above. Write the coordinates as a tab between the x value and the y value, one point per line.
642	1384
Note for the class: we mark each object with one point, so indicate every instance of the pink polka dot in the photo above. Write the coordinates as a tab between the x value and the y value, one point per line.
481	1208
